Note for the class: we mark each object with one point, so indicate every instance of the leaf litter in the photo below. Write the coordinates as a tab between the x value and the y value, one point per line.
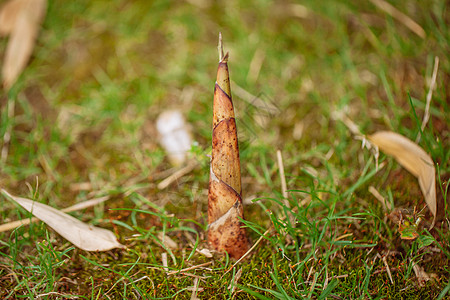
21	19
84	236
414	159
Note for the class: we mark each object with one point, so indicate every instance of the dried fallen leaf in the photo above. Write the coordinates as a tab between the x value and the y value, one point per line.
167	241
205	252
8	15
75	207
23	25
82	235
422	276
414	159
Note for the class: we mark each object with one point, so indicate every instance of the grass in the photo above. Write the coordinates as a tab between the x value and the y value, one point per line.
83	127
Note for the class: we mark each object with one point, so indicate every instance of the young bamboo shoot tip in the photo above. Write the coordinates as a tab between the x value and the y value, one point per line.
220	47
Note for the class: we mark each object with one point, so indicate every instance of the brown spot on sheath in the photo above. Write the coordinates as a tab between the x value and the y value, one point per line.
223	106
221	198
225	161
227	233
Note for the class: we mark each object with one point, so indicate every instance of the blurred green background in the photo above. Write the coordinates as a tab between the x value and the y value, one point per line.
102	71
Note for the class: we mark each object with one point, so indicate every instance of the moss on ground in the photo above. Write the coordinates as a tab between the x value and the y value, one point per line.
83	127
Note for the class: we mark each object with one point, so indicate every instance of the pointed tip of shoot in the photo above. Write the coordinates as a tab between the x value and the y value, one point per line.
220	47
225	58
222	57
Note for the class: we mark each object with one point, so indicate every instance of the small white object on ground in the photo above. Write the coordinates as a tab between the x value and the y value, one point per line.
175	136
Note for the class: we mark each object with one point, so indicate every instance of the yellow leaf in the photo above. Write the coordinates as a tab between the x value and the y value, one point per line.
8	15
84	236
414	159
23	34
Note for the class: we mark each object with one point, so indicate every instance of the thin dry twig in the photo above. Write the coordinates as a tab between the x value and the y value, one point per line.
190	268
382	270
283	178
426	115
349	123
142	278
7	134
387	269
164	261
66	296
195	290
337	277
353	128
266	106
255	65
313	284
326	280
194	276
310	273
248	251
175	176
386	205
343	236
86	204
401	17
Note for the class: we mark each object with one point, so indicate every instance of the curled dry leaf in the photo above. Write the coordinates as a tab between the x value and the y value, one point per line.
205	252
167	241
225	232
414	159
21	19
422	276
82	235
